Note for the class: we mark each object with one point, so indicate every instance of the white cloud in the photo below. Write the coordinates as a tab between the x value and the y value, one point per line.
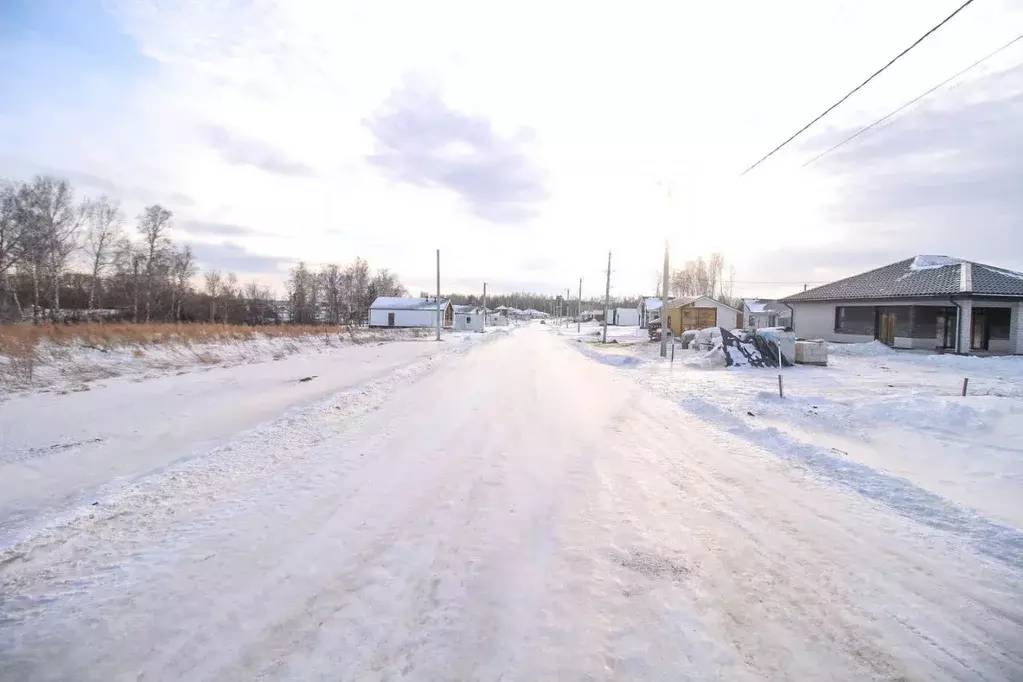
601	100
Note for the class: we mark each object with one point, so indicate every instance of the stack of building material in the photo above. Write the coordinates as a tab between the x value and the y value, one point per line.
811	352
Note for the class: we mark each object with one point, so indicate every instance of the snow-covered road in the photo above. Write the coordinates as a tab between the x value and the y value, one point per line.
515	511
59	449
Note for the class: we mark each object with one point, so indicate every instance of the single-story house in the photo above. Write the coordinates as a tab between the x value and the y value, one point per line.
469	321
625	317
760	313
400	311
928	302
649	310
700	312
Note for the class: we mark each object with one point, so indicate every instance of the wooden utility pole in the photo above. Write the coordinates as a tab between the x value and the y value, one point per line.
579	308
664	304
438	294
607	294
484	305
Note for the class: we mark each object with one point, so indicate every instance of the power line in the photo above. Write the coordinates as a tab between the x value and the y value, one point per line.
860	86
916	99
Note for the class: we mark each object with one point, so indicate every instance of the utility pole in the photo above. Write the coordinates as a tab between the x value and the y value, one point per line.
484	305
579	309
438	294
607	297
664	304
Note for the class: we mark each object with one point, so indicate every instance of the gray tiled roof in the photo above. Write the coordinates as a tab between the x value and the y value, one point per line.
919	277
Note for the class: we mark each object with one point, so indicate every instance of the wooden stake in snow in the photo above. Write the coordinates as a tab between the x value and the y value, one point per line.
966	382
781	387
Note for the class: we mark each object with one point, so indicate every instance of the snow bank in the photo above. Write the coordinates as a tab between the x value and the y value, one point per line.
71	367
872	349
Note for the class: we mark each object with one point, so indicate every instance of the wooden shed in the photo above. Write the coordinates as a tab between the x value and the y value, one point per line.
700	312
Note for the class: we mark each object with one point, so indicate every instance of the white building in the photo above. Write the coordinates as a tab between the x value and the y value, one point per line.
394	311
760	313
467	318
649	310
625	317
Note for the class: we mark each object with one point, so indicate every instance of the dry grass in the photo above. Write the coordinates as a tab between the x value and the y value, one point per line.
18	339
39	355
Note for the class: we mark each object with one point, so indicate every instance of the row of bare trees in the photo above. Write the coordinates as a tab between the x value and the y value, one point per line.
338	294
60	254
702	277
64	258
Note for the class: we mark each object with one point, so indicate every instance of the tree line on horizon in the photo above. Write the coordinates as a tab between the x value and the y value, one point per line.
64	259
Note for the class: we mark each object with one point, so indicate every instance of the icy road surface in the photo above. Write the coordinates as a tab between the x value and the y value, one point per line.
59	449
514	511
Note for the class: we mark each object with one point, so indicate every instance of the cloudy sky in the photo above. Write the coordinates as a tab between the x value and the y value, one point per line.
527	139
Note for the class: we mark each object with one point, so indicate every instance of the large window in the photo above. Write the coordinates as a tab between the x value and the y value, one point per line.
854	320
998	320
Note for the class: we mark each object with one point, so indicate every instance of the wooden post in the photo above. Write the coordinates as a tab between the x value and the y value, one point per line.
966	382
438	295
781	387
579	309
607	296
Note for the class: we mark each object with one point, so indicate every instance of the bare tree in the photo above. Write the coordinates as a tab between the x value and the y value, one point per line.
129	263
214	285
229	293
183	269
49	224
10	241
153	225
103	220
331	284
715	272
303	290
386	283
357	280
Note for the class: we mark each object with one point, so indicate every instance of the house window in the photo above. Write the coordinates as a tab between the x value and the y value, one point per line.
998	320
468	320
854	320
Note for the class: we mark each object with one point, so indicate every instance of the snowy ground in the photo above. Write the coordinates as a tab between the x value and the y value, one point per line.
66	368
899	413
516	510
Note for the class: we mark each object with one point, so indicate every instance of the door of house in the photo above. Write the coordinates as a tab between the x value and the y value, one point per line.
979	331
887	331
390	319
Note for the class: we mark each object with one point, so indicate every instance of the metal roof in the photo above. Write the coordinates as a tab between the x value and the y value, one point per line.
406	303
917	277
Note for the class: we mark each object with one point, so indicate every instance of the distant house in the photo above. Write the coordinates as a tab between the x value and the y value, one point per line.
469	321
758	313
649	310
928	302
394	311
700	312
625	317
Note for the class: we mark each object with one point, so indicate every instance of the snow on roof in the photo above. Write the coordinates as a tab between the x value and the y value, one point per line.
932	262
652	303
463	309
755	305
405	303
